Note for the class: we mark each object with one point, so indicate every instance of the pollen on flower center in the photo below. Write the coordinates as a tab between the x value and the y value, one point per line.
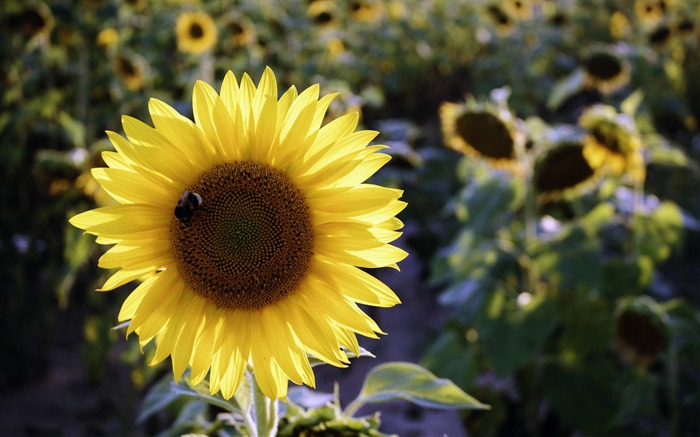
249	243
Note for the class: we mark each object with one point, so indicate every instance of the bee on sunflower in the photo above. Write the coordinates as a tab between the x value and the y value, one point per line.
251	226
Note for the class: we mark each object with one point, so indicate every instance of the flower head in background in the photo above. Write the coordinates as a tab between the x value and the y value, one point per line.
131	70
563	171
612	142
606	70
196	32
481	130
641	332
250	226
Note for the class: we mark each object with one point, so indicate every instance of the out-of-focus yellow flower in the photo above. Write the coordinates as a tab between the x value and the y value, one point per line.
504	22
612	143
196	32
650	12
323	13
35	21
619	25
563	171
108	37
366	10
606	71
480	130
518	9
242	31
335	47
397	9
131	70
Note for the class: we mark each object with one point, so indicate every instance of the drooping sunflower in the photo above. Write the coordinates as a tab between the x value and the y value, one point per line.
196	32
563	171
612	142
606	70
35	21
480	130
323	14
641	333
366	10
250	225
131	70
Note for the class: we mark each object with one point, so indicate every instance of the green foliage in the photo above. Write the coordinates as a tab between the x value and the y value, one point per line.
306	412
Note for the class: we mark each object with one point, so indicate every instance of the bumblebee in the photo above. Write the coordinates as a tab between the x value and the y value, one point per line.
187	205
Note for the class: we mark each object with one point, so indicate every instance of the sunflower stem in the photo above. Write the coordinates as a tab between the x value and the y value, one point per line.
265	411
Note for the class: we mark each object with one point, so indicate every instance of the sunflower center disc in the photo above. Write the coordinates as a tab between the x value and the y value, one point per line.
249	243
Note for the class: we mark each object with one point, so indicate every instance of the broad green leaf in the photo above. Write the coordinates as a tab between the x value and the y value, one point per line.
659	232
450	356
512	334
166	391
583	395
413	383
572	261
566	88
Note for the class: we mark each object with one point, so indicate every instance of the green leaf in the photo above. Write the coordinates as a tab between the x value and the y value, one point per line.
582	395
511	334
659	232
566	88
450	356
572	261
166	391
413	383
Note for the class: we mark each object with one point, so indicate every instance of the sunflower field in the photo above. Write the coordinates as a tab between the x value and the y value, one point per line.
433	217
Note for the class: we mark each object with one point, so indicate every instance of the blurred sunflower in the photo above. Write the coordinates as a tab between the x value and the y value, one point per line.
35	21
196	32
131	70
650	12
641	334
563	171
366	10
606	71
481	131
619	25
504	23
250	224
660	35
107	38
323	14
611	142
242	31
518	9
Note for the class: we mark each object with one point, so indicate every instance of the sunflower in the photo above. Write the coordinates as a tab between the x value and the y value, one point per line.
241	31
323	13
606	71
563	171
503	21
366	10
519	9
35	21
612	142
641	334
196	32
107	38
131	70
650	12
250	225
480	130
